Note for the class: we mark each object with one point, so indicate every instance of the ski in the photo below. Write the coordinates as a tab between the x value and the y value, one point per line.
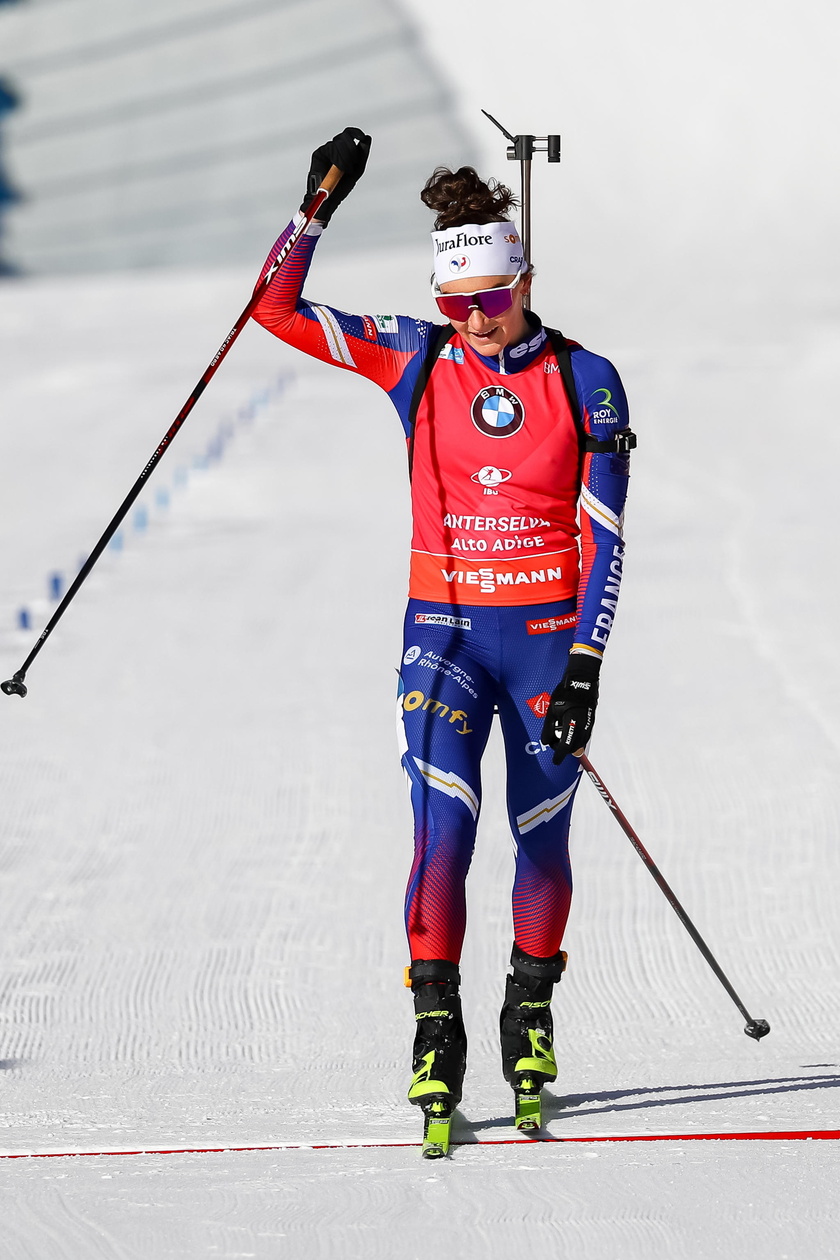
436	1126
528	1107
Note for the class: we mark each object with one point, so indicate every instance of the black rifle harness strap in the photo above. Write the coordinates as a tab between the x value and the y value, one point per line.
621	443
618	443
440	337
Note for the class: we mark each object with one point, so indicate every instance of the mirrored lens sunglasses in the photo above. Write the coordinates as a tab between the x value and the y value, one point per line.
491	302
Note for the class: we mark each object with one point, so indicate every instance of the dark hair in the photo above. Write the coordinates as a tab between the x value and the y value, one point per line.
462	196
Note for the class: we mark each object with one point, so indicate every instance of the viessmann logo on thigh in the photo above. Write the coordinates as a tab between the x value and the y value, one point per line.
497	412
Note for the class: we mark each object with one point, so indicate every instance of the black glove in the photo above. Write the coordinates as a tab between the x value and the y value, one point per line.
571	710
349	152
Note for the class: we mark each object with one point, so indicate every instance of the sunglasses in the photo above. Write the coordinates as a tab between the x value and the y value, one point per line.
491	302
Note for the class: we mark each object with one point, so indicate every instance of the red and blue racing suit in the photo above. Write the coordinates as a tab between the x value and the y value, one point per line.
504	582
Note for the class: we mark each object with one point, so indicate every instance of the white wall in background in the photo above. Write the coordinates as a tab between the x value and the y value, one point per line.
152	134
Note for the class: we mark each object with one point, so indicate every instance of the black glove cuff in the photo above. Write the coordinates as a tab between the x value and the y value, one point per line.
349	152
580	681
583	666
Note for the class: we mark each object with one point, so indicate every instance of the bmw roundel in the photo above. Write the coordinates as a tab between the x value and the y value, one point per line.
497	412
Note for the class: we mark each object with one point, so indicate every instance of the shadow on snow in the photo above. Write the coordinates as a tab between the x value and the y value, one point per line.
555	1106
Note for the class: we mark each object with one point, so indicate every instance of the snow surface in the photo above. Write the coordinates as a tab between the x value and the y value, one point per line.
205	834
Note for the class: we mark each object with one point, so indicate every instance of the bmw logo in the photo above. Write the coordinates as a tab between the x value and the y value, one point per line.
497	412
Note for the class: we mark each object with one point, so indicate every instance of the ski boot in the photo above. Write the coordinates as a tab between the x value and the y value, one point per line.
527	1032
440	1049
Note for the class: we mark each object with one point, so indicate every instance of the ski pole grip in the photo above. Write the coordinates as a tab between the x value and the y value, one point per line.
330	180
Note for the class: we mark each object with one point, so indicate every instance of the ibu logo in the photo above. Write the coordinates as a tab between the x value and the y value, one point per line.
490	478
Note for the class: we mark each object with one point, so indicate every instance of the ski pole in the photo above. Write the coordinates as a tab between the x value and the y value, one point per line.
14	686
755	1028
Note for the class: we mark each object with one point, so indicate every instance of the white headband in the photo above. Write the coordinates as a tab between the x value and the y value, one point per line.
477	249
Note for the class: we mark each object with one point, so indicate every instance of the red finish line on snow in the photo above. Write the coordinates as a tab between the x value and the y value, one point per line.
771	1135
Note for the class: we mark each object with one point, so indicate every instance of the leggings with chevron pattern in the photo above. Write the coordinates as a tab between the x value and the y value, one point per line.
460	665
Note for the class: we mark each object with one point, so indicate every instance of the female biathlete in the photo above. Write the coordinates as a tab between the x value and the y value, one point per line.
509	426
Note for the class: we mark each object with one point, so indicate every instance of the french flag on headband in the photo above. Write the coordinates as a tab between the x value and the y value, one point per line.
477	249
